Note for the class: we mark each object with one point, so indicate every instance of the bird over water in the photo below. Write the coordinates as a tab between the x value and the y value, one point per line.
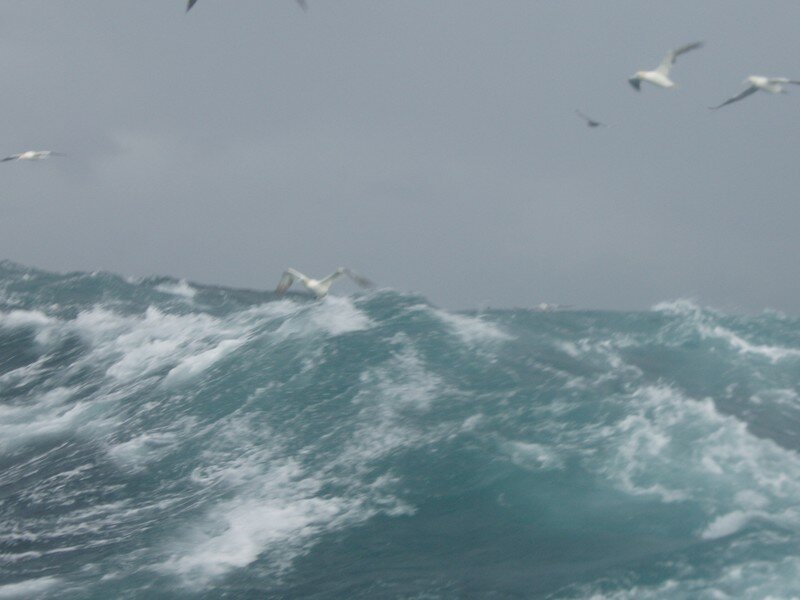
320	287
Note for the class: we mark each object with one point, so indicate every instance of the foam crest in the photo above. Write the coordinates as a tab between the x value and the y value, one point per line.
142	449
394	399
532	456
333	315
747	580
278	522
31	588
50	414
773	353
685	450
181	288
24	318
471	330
278	510
681	307
191	366
140	345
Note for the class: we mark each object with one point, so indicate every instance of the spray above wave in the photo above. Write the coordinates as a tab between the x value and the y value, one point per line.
192	440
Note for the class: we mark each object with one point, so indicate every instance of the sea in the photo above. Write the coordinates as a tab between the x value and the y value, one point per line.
164	439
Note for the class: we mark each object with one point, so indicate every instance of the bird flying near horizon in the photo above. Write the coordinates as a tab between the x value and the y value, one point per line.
320	287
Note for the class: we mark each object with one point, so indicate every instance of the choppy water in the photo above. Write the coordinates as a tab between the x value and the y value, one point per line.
160	439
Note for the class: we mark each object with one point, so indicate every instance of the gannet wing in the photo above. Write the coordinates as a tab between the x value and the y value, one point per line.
12	157
302	4
782	80
362	281
669	59
636	83
744	94
190	5
285	283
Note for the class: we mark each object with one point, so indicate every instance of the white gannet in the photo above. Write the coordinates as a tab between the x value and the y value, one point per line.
589	121
191	3
318	287
660	76
32	155
773	85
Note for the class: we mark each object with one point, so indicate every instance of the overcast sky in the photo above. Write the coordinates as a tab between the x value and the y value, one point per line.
428	144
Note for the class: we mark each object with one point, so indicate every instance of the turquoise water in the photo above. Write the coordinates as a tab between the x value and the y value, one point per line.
163	439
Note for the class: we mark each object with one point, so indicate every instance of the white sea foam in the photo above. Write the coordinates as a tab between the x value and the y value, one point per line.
277	513
278	509
773	353
747	580
333	315
182	288
471	329
24	318
140	345
682	306
681	449
29	589
702	321
241	530
136	452
530	455
191	366
49	414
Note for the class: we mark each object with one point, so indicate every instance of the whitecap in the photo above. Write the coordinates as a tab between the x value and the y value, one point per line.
182	288
333	315
773	353
191	366
28	589
471	329
726	525
533	456
24	318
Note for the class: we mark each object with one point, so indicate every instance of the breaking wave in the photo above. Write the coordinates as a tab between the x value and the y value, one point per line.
160	438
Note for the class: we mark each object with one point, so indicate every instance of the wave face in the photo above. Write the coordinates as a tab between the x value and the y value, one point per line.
163	439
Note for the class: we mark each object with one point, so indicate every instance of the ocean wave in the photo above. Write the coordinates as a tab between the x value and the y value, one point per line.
173	439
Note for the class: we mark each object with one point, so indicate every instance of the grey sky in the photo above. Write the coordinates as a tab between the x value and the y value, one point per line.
429	144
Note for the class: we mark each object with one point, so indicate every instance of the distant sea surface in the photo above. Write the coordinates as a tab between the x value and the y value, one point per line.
164	439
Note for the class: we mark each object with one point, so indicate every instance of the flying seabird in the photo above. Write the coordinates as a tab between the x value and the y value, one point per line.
191	3
589	121
318	287
773	85
660	76
32	155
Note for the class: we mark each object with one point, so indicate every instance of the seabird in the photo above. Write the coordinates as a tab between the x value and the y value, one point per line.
32	155
660	76
318	287
191	3
773	85
589	121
